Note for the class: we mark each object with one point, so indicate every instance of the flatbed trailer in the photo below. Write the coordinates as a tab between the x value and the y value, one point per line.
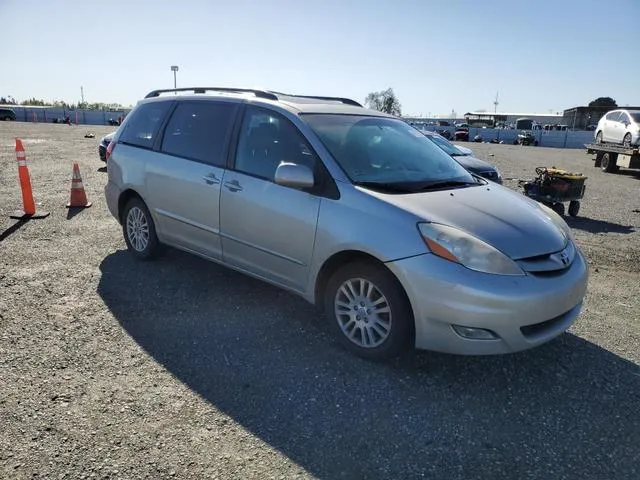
610	157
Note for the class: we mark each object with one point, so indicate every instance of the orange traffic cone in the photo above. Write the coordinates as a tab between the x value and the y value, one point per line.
28	205
78	197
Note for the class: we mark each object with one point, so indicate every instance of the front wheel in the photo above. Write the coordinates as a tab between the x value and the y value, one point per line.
139	230
368	311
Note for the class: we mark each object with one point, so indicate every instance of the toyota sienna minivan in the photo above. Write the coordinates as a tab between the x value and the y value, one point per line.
352	209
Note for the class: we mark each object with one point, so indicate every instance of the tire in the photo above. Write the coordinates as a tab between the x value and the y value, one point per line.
137	214
626	141
574	208
608	163
559	208
7	119
389	332
599	137
598	160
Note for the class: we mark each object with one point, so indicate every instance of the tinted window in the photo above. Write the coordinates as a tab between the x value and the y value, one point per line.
635	116
613	116
384	150
266	140
142	126
199	130
623	117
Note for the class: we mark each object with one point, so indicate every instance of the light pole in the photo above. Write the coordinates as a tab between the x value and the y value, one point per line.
174	69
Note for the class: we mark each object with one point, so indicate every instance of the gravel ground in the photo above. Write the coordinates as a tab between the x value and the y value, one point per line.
182	369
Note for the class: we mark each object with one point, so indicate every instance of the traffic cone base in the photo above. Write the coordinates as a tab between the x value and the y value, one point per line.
20	215
78	198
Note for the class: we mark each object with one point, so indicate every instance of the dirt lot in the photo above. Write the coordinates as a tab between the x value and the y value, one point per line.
182	369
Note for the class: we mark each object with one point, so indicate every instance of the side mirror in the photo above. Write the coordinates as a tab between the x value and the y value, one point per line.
294	176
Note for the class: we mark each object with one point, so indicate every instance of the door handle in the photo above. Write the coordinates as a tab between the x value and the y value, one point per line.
211	179
233	186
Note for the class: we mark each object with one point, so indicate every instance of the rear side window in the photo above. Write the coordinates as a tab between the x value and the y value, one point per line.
613	116
142	128
199	131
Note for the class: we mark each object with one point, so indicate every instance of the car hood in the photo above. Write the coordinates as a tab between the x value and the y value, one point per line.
473	163
108	137
511	222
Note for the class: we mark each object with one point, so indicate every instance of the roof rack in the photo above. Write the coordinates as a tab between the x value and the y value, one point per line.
268	94
257	93
346	101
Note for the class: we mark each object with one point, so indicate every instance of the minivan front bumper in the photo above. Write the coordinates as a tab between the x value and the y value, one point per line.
519	312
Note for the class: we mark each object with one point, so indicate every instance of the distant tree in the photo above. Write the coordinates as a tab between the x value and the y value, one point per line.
8	100
384	101
603	102
35	102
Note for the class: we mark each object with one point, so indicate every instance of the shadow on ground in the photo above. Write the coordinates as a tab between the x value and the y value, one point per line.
12	229
568	409
597	226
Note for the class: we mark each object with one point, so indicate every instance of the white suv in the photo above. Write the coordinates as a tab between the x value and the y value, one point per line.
619	126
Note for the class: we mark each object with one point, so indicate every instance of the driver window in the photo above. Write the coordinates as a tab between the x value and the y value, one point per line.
268	139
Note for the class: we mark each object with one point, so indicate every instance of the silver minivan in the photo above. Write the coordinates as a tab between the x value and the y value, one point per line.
352	209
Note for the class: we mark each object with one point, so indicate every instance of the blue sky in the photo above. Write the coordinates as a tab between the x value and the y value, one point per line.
437	55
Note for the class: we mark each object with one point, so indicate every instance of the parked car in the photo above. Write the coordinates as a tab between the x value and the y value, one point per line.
103	145
350	208
461	135
474	165
619	126
7	114
463	149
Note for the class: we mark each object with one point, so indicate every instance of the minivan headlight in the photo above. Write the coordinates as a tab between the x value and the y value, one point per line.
460	247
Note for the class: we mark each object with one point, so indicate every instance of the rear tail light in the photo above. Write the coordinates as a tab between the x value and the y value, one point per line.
110	148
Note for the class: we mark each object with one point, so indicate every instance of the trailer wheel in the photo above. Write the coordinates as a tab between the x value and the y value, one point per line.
609	162
574	208
558	207
598	161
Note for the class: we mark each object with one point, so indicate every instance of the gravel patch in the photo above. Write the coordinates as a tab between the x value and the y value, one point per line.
179	368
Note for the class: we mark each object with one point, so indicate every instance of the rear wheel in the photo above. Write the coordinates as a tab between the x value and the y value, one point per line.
139	230
368	311
626	141
609	162
574	208
599	137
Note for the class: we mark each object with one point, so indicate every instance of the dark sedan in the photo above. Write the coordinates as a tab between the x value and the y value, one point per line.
474	165
104	144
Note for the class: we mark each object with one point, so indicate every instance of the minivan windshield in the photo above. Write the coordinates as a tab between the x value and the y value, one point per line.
386	152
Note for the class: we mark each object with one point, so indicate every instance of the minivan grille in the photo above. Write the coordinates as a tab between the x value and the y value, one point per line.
550	264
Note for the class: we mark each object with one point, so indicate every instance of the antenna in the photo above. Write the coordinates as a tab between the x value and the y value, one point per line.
495	104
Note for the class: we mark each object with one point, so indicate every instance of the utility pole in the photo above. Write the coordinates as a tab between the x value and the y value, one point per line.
82	94
174	69
495	104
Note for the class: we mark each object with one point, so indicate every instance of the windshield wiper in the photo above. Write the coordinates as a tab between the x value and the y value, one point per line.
384	186
445	184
